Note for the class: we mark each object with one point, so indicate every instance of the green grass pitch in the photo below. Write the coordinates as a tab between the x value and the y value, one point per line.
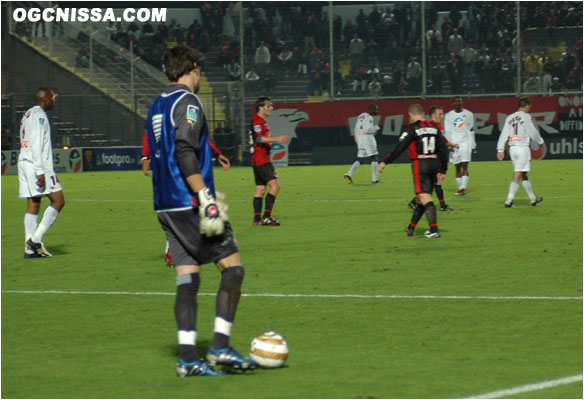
368	312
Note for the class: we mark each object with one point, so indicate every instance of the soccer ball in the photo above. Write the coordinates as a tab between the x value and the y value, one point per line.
269	350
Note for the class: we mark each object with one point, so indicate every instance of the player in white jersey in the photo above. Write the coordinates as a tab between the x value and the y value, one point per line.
36	175
459	129
365	130
519	130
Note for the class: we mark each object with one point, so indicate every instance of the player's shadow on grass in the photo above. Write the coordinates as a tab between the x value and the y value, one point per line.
202	347
58	250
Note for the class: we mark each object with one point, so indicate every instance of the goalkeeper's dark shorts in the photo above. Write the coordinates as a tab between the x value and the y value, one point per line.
186	244
264	173
425	171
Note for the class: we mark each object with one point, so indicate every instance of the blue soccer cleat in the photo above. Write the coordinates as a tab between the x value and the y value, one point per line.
196	368
228	356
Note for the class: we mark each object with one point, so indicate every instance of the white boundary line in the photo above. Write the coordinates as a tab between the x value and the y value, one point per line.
528	388
311	296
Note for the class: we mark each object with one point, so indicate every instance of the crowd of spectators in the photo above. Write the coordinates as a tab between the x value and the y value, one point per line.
470	45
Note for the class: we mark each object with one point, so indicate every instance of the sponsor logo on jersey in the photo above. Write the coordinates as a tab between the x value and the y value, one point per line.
459	123
24	144
41	121
257	128
192	114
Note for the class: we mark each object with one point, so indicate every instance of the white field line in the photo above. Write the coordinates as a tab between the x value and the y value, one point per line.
528	388
309	296
387	199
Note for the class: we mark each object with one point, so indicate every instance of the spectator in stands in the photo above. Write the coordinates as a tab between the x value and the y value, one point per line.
531	63
387	87
455	16
267	80
309	31
262	58
322	33
285	12
147	30
572	80
252	79
531	85
261	28
348	33
234	13
472	17
556	85
437	76
414	75
371	51
360	80
299	61
234	70
455	70
571	18
285	60
337	31
374	87
455	42
433	39
361	18
468	56
431	14
217	13
248	30
223	57
356	48
403	87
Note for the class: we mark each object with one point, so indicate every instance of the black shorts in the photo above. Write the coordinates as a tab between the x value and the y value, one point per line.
425	171
264	173
186	244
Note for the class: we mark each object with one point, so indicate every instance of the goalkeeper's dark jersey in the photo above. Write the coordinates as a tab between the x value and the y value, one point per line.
424	140
178	138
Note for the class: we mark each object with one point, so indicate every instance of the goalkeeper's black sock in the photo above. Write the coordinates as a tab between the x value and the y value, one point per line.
431	215
270	199
257	208
226	305
440	194
417	215
185	313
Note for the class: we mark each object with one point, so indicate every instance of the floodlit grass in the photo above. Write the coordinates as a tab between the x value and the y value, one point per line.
496	303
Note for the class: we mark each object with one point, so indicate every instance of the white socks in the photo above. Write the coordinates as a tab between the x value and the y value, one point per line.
528	189
513	186
459	183
30	225
354	167
374	171
49	217
464	180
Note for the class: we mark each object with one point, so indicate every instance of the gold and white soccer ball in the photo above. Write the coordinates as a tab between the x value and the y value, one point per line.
269	350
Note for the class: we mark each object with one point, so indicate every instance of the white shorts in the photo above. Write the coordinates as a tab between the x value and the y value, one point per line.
366	146
27	181
463	154
521	158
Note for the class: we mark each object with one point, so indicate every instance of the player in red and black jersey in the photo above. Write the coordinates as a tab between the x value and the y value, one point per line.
437	115
429	155
263	170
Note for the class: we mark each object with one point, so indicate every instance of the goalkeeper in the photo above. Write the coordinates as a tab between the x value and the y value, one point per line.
194	220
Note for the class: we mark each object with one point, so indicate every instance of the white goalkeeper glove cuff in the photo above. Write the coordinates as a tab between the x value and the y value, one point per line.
211	223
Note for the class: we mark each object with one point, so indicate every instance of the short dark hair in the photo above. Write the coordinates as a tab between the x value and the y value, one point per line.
261	102
433	110
180	60
372	108
524	101
456	97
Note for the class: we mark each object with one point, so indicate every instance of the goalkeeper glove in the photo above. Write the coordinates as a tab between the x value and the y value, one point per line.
211	223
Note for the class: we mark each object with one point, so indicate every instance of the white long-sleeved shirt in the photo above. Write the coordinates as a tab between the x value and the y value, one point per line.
459	127
365	125
519	130
35	140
